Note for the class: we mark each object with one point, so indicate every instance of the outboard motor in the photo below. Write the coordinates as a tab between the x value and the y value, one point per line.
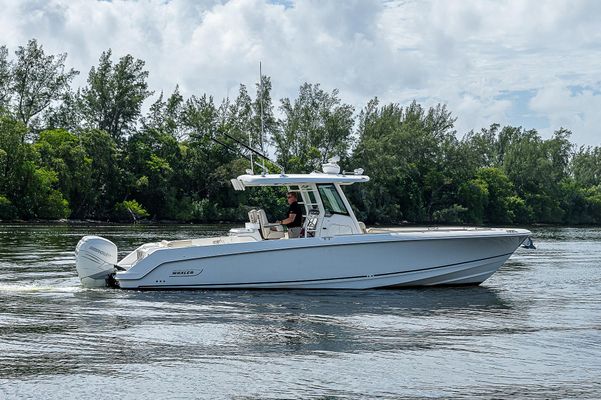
95	260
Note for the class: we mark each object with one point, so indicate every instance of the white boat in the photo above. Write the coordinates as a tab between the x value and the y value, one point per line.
335	251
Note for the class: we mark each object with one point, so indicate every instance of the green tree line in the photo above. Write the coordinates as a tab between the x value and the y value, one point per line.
93	153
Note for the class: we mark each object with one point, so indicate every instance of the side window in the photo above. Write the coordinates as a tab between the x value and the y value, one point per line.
331	200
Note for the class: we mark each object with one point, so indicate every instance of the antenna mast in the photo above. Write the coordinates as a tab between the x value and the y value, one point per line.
261	105
253	153
252	163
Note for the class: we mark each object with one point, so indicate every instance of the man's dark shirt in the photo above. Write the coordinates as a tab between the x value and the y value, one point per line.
295	209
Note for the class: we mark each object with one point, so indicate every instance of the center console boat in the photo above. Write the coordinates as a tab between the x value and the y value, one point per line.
335	250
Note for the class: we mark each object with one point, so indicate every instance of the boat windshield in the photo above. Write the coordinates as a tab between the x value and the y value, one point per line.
332	202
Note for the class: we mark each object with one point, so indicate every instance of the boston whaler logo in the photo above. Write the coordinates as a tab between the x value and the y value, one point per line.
182	273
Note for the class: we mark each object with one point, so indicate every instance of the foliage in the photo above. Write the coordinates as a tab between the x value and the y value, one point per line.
586	166
107	177
499	189
151	160
112	101
7	210
406	153
37	80
61	151
90	153
166	116
474	196
5	78
128	210
450	215
315	127
48	202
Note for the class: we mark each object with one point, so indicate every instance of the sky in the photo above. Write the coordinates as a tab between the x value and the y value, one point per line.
535	64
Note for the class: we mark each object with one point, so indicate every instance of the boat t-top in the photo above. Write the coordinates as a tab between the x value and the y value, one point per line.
334	250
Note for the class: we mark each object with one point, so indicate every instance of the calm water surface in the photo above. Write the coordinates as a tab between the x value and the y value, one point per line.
532	330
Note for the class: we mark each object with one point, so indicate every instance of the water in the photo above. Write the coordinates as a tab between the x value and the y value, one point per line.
532	331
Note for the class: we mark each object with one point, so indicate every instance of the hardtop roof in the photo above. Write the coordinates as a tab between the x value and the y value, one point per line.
296	179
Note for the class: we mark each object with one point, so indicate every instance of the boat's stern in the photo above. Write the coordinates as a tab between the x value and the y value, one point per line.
95	260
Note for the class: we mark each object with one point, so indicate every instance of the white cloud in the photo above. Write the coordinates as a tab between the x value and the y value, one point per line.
464	53
575	110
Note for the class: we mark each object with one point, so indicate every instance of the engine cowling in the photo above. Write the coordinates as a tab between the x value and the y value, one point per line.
95	260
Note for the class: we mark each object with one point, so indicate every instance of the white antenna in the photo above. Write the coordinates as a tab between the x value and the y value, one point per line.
250	146
261	105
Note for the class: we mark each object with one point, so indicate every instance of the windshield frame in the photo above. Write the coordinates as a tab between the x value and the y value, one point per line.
339	207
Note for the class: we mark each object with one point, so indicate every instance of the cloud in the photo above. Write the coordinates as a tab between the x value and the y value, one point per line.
481	57
572	108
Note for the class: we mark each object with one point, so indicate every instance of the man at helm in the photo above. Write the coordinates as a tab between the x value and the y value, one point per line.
294	222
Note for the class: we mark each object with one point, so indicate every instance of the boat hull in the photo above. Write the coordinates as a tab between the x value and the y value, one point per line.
343	262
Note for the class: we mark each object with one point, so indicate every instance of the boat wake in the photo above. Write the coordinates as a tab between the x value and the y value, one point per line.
33	288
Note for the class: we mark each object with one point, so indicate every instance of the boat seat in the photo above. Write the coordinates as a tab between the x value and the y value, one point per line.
266	226
363	227
253	216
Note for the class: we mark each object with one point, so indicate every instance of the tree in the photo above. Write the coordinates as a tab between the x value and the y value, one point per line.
61	151
5	78
263	113
537	167
129	210
167	116
482	149
152	163
315	127
95	157
239	119
107	182
113	99
499	189
586	166
42	198
67	114
410	155
28	187
473	194
14	153
7	210
249	121
201	117
38	80
206	161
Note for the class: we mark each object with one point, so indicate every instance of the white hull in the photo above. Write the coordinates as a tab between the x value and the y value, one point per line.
392	259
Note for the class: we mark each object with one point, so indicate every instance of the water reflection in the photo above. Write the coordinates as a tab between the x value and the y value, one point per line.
105	328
